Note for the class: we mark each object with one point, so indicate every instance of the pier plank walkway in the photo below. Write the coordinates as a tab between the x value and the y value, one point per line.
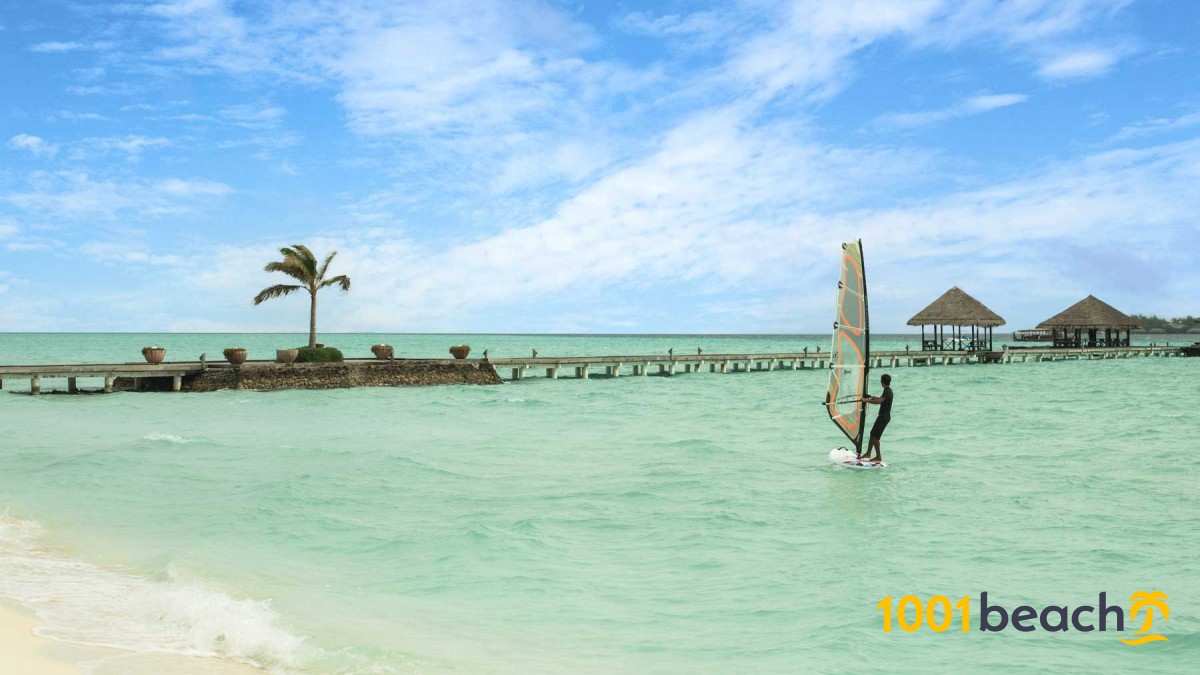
584	367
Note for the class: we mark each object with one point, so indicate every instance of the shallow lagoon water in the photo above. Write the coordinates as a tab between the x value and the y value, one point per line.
656	524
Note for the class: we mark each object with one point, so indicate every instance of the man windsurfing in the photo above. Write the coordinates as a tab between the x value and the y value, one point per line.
884	401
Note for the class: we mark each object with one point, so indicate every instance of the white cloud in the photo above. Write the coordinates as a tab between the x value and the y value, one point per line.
130	146
1083	63
57	47
117	253
971	106
254	117
76	195
34	145
74	116
722	207
193	188
64	47
1157	125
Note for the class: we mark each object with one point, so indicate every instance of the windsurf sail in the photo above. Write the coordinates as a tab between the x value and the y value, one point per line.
851	353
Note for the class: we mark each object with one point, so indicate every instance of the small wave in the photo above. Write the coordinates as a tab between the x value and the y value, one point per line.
84	604
166	438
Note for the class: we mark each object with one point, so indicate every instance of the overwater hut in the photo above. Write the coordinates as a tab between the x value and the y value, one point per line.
959	311
1091	322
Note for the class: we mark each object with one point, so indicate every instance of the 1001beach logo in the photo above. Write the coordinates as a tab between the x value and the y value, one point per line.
939	614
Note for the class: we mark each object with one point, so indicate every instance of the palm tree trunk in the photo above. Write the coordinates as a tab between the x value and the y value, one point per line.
312	320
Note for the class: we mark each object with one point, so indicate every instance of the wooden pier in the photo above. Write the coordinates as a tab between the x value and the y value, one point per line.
584	367
110	372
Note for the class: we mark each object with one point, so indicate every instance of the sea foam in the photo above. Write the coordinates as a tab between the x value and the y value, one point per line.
85	604
166	438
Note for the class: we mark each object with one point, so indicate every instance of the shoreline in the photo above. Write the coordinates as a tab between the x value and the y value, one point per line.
23	651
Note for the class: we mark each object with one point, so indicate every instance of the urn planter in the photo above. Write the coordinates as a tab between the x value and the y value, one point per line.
154	355
382	352
235	356
460	351
286	355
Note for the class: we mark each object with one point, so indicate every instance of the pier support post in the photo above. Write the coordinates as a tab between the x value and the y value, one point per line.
177	383
583	372
771	364
35	385
699	366
645	369
108	383
672	370
552	373
724	366
617	370
72	385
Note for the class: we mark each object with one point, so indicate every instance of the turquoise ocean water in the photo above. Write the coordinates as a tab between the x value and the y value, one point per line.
651	524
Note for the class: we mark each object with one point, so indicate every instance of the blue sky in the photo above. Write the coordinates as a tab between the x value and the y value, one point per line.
527	166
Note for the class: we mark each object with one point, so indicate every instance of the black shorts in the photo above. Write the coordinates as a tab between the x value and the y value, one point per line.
880	424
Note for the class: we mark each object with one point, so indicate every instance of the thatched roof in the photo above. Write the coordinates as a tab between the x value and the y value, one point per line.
1090	312
956	308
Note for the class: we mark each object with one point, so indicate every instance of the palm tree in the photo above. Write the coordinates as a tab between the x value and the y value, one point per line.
300	264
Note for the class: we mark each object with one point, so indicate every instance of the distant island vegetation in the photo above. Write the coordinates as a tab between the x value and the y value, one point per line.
1157	324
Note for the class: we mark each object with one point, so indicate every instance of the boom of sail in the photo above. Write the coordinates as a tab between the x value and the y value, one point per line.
851	353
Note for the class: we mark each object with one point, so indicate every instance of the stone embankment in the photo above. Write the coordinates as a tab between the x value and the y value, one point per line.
266	376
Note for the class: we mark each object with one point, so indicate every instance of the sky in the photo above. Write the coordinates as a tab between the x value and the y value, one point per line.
612	167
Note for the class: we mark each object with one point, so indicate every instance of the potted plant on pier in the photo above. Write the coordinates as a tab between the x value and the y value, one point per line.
286	355
154	355
235	355
383	352
460	351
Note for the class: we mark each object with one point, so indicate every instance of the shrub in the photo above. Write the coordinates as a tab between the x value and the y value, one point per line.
319	355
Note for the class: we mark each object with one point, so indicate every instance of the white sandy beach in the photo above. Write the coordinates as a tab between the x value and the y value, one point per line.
23	652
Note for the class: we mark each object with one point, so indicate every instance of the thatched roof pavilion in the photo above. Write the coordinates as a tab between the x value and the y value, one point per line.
1090	314
958	309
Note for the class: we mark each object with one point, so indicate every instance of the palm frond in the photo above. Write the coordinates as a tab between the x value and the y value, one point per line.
276	291
340	280
290	267
305	259
325	266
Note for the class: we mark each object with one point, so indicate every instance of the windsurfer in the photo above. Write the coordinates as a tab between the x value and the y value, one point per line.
884	401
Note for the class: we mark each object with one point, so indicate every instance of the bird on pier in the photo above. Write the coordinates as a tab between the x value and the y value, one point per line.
485	358
203	363
698	351
671	352
535	353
